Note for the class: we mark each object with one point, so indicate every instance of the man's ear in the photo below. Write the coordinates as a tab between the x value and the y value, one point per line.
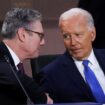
93	34
21	34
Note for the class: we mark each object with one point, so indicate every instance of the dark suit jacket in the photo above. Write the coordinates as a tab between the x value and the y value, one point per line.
63	81
11	92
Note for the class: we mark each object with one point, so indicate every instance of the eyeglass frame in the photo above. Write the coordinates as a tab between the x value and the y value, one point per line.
41	35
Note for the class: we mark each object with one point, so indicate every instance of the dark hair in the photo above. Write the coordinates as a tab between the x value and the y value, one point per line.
16	18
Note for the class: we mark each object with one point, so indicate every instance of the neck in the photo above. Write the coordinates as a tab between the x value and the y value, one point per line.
15	46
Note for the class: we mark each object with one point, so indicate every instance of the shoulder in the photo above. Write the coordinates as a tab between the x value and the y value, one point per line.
2	58
100	54
58	64
56	61
99	51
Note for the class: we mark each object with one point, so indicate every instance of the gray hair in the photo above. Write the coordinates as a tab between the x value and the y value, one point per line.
78	11
16	18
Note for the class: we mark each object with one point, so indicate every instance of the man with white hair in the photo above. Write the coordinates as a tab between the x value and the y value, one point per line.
78	75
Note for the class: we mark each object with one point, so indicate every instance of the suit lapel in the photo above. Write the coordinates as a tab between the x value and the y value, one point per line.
100	55
75	75
5	52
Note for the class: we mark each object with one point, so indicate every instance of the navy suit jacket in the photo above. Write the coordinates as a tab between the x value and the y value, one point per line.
63	81
11	93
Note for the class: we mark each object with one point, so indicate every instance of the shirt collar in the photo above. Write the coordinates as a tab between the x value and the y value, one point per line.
14	56
91	58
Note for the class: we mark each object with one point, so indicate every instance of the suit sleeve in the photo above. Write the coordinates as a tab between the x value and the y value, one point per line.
36	94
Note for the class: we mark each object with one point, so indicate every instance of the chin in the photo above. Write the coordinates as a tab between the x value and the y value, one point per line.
36	55
78	57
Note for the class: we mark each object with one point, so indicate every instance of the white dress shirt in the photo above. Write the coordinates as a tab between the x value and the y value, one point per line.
14	56
94	65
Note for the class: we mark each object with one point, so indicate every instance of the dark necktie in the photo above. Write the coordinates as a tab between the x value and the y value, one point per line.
21	68
93	83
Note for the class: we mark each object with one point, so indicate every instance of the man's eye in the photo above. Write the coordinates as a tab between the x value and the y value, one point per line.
78	35
66	36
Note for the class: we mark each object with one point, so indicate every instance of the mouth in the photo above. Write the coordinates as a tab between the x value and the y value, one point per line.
75	50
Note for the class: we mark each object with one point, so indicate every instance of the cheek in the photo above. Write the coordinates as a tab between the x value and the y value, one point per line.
34	45
67	44
88	41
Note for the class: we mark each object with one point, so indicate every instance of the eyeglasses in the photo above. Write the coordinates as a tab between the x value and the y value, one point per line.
41	35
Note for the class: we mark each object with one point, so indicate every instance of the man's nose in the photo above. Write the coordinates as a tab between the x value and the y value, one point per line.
42	42
73	41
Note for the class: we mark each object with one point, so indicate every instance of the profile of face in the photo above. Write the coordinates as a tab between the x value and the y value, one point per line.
77	36
34	39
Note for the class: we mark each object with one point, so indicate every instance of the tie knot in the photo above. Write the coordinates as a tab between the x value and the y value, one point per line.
20	67
85	62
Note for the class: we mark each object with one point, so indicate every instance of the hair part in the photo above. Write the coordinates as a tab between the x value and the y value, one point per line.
78	11
16	18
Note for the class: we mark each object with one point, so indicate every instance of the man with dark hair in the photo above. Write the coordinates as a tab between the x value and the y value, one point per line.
22	34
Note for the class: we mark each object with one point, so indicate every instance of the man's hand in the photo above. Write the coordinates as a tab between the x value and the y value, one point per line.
49	100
